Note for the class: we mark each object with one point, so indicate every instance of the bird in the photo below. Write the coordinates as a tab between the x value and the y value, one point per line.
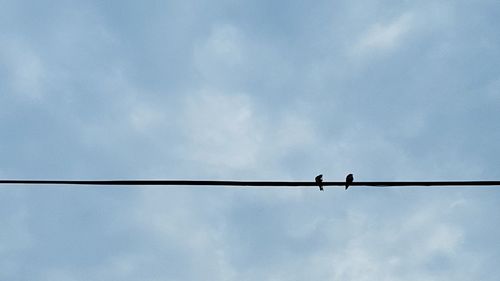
348	180
319	181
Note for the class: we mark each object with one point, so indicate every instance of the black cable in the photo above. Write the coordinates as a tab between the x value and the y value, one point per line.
247	183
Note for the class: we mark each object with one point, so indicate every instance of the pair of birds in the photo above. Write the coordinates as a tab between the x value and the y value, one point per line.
348	180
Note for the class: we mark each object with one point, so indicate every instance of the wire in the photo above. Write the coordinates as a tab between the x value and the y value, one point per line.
246	183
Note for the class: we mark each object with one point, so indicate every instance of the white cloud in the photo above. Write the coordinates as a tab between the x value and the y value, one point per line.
196	234
146	118
294	130
221	57
25	68
493	90
227	132
400	248
225	44
222	130
384	36
15	235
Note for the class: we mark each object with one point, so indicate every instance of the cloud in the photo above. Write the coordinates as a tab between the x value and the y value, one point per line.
228	133
25	69
15	236
221	130
224	45
381	37
331	243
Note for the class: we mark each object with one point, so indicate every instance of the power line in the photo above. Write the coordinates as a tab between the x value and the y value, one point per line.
235	183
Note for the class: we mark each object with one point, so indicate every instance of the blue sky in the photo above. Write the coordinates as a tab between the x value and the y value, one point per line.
387	90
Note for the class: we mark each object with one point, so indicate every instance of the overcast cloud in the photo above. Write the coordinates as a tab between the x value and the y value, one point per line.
257	90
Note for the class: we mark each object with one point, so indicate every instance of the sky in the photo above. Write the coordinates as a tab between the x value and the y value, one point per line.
249	90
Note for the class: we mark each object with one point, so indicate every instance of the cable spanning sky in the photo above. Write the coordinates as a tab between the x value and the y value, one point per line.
232	183
282	91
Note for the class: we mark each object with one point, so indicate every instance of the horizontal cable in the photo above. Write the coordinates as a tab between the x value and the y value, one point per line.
247	183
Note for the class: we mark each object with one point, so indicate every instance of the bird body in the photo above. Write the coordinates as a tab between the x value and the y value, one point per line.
319	180
348	180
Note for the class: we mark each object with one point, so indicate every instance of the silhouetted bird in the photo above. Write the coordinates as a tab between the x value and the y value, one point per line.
319	181
348	180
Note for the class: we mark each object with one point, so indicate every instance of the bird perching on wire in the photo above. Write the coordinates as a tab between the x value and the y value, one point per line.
348	180
319	181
